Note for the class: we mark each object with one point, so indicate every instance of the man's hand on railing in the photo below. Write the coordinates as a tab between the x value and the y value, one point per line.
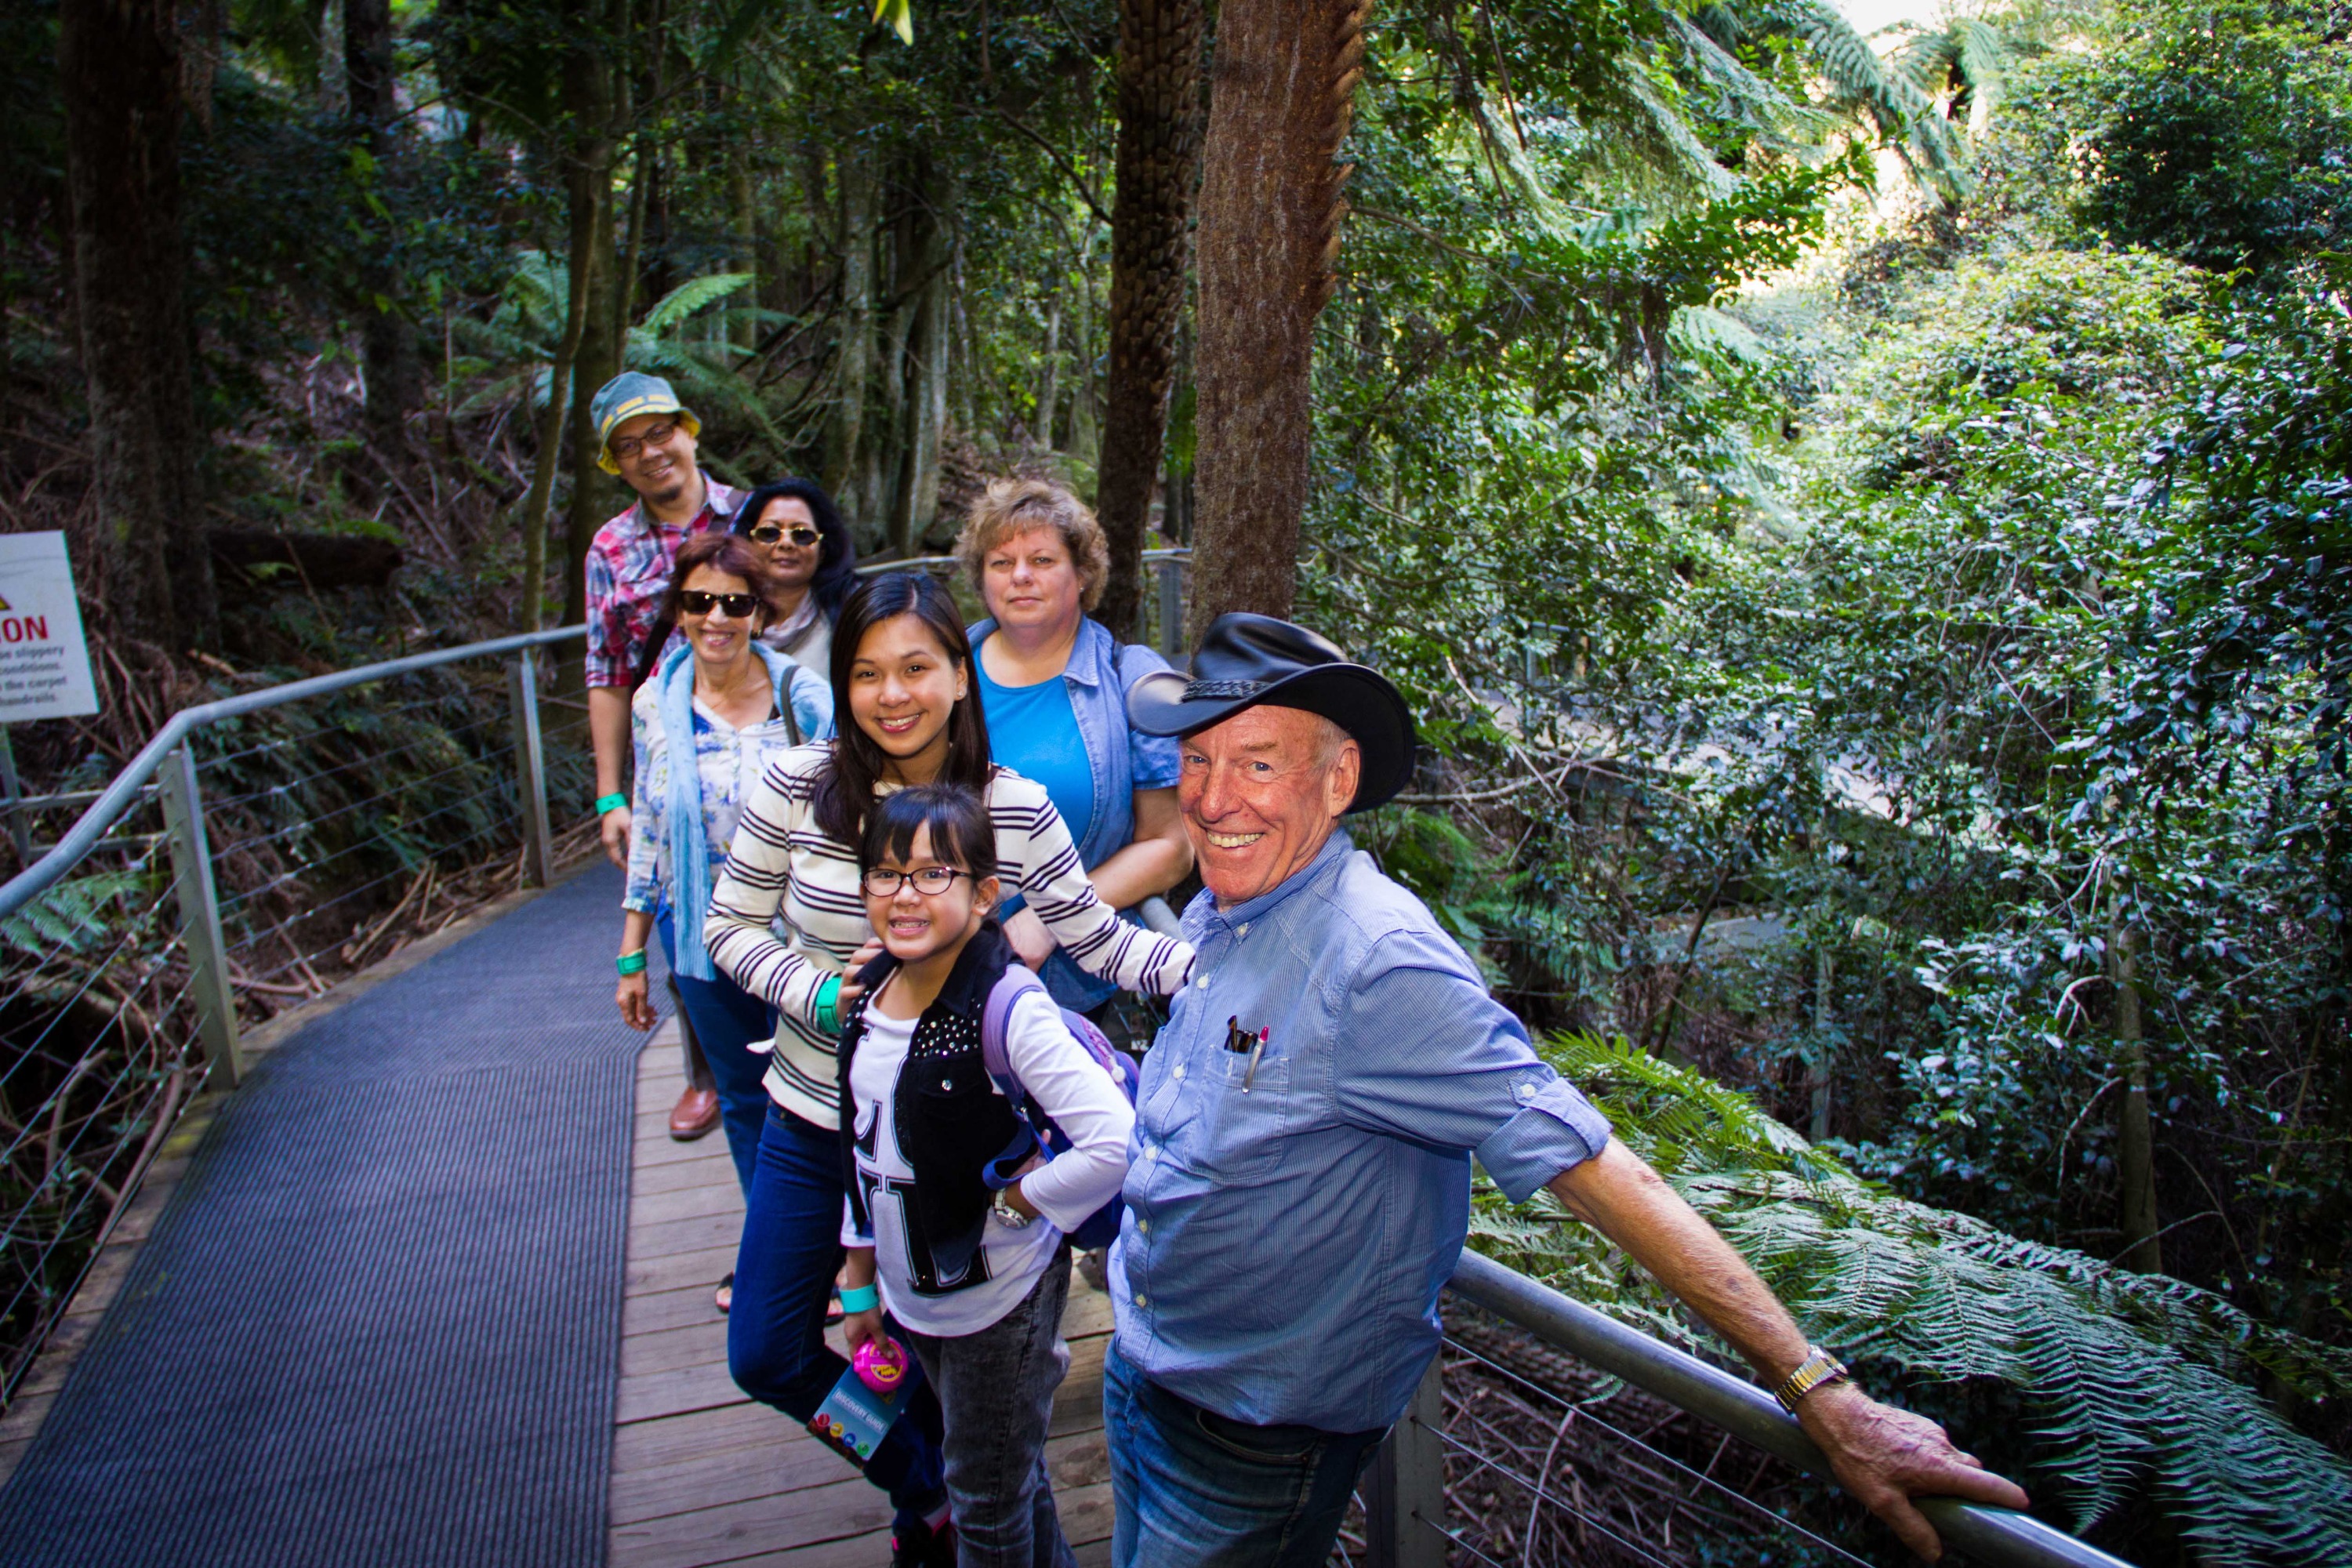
1886	1457
1882	1456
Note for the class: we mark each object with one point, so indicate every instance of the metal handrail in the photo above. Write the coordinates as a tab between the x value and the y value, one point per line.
1998	1536
119	797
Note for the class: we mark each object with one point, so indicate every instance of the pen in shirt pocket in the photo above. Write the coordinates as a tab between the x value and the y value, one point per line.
1240	1039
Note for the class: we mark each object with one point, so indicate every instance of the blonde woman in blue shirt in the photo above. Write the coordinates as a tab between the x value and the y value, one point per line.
743	705
1054	682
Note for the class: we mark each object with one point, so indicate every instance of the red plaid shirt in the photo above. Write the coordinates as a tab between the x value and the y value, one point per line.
629	564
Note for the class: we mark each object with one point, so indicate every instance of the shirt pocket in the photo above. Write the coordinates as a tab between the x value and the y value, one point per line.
1239	1118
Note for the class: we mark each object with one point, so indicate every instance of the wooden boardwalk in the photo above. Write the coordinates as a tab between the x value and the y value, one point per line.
701	1475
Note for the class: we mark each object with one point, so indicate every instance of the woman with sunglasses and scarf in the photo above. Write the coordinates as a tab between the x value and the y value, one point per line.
815	562
706	725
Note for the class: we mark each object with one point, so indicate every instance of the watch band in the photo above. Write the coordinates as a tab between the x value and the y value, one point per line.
605	803
1818	1368
630	962
1010	1217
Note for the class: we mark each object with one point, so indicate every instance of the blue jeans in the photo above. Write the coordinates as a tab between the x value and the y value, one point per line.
784	1276
727	1019
1191	1488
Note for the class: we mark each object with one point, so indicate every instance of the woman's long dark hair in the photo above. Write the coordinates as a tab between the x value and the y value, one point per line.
845	786
837	560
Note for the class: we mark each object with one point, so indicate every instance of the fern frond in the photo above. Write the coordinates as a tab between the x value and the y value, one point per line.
691	296
2131	1385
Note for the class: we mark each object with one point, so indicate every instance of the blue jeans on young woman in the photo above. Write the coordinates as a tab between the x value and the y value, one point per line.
1191	1488
783	1278
726	1020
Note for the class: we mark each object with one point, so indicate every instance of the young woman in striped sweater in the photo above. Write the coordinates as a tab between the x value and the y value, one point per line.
788	922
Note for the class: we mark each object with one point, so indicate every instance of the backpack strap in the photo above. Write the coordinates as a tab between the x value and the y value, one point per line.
996	1017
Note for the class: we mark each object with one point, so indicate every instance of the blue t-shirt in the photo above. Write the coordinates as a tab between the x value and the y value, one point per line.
1032	730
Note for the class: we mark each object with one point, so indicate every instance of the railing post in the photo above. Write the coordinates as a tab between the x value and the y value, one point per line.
1404	1495
530	770
1171	609
192	885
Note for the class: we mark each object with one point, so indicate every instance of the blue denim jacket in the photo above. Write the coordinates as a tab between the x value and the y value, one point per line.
1288	1228
1123	761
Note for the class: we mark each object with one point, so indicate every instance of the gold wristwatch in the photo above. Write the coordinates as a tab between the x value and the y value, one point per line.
1818	1368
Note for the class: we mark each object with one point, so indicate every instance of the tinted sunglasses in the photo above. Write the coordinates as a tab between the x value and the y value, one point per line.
799	533
695	602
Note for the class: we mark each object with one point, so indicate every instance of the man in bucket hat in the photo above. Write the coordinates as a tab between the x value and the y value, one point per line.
1299	1185
647	438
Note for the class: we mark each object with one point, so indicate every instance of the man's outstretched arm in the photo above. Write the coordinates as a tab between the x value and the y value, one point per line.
1882	1456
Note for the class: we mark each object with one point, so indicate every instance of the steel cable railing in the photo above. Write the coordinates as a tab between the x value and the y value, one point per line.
135	952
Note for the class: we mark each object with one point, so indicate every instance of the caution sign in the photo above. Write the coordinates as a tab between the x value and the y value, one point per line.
44	662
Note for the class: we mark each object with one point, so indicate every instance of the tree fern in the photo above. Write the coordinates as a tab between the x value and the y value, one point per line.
2132	1386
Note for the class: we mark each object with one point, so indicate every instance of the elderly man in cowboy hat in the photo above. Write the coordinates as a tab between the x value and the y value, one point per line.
1300	1185
646	438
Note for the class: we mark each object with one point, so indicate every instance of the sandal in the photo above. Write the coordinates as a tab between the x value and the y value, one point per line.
725	1295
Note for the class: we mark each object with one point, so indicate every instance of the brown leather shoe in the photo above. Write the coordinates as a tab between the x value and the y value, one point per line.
696	1113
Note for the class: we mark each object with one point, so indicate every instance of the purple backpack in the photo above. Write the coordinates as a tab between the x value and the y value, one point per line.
1101	1227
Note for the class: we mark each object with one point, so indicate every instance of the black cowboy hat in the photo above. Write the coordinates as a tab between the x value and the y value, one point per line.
1245	660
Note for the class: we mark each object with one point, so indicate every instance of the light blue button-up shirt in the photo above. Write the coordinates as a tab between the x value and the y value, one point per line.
1288	1231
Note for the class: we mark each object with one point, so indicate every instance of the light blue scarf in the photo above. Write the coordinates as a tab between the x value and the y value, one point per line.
689	846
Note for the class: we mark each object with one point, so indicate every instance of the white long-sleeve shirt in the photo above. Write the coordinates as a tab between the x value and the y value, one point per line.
787	912
1060	1074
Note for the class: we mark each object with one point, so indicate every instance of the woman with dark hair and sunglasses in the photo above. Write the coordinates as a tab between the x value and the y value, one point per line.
706	726
788	922
814	561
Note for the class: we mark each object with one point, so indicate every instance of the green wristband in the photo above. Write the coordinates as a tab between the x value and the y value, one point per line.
860	1298
605	803
828	1004
630	962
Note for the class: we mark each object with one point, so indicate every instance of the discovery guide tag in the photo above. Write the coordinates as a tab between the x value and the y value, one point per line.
854	1419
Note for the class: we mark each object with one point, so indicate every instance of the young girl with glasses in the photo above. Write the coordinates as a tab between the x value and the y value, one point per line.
974	1278
788	922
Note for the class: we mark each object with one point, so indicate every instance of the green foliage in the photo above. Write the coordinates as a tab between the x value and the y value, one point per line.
2135	1388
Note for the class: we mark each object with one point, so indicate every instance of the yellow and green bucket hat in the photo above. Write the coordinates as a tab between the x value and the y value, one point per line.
625	396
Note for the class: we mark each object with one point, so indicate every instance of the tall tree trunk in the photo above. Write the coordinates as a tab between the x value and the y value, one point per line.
1085	440
542	471
119	75
926	387
1159	97
844	437
743	328
2136	1138
334	84
1049	390
1281	88
588	97
395	377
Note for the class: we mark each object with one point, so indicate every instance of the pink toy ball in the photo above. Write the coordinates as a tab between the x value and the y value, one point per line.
881	1364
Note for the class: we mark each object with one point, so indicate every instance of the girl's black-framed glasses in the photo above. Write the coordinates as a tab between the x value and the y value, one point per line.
881	882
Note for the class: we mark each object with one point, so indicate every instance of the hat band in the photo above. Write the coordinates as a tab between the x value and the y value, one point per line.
1195	690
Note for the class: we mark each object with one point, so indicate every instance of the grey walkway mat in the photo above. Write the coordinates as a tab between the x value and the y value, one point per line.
379	1320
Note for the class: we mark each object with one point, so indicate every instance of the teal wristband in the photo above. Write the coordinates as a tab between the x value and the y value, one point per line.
860	1298
630	962
828	1004
605	803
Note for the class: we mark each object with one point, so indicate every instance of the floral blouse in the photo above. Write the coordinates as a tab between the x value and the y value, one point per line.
731	762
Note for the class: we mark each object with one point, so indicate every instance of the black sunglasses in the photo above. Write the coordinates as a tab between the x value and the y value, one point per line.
695	602
801	534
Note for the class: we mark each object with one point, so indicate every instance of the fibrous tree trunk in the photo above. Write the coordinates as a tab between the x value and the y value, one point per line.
1280	92
119	74
1158	96
395	379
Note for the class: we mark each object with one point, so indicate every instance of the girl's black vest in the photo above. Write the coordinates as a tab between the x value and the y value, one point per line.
951	1120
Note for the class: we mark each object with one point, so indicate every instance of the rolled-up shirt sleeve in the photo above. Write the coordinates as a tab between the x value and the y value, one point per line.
1429	1057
